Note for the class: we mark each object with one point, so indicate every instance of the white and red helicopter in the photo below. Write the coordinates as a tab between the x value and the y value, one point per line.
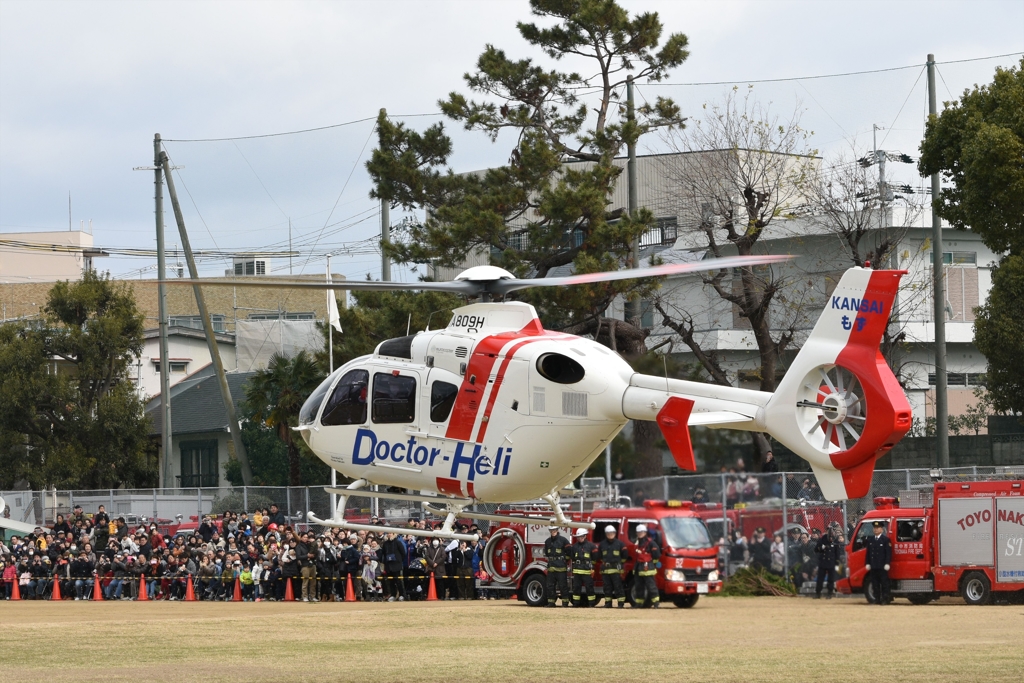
494	408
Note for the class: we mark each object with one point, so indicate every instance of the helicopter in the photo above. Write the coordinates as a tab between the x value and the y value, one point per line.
493	408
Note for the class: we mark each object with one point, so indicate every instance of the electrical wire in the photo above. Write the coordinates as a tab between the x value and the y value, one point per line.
912	88
304	130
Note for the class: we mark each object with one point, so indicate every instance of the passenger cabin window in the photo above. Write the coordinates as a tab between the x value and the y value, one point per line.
347	404
865	531
442	400
909	530
394	398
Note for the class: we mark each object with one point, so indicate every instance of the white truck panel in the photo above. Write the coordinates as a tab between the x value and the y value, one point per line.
965	531
1010	540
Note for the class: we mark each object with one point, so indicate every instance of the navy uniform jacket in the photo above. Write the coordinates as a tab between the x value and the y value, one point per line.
879	551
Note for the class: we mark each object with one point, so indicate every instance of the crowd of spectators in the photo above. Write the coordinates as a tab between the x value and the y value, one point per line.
261	554
759	551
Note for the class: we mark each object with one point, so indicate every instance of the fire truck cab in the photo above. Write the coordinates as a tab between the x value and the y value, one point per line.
968	540
514	556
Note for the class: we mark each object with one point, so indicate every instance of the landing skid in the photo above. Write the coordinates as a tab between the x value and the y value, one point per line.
453	508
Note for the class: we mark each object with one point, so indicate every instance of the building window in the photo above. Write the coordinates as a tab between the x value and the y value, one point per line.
647	311
664	231
958	258
960	379
200	464
195	322
283	315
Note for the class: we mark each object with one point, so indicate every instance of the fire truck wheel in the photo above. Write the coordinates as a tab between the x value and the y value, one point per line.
975	589
920	598
534	591
686	601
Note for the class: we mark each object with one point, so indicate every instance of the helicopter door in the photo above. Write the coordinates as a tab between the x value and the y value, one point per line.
439	398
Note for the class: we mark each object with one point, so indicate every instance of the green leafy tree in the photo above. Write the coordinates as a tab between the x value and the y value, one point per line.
268	457
273	398
977	144
549	207
69	414
999	334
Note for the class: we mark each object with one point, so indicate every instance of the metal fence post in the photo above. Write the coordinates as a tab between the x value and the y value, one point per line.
71	501
288	502
111	503
245	498
307	500
155	511
908	479
664	481
199	504
785	533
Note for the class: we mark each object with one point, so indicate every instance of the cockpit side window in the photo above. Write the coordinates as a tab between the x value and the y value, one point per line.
442	400
347	405
394	398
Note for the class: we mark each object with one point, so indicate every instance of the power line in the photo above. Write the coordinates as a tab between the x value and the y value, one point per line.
839	75
304	130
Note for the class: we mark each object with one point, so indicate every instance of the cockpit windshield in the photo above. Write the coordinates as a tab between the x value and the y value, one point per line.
312	405
687	533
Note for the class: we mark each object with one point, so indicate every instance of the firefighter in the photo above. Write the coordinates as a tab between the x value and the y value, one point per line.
648	553
828	549
876	561
555	551
612	553
582	555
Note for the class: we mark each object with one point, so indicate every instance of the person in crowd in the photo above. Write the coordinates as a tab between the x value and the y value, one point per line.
760	550
769	465
739	552
648	555
434	555
612	553
877	561
305	553
805	493
120	573
462	560
392	556
581	554
326	568
778	565
82	571
350	561
555	552
828	550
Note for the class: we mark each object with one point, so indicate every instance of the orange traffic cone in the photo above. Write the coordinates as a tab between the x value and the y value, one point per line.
143	593
55	595
237	595
15	591
350	593
190	593
289	594
431	589
97	590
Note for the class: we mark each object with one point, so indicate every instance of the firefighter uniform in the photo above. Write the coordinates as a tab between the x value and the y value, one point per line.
582	555
555	551
878	559
648	553
612	553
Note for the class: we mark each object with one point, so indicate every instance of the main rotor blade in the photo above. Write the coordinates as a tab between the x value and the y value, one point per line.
505	286
456	287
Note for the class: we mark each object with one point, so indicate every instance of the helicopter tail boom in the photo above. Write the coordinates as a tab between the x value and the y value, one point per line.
839	405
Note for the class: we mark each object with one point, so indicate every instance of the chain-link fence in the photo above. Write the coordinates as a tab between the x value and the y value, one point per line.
795	492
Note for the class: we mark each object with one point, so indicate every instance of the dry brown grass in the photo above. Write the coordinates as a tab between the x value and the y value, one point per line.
791	640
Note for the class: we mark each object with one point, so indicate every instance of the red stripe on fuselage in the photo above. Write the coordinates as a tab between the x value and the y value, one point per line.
497	385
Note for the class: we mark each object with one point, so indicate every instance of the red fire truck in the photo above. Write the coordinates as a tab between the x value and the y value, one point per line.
747	517
968	540
514	555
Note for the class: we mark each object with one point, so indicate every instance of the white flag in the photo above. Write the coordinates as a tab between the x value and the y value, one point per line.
334	317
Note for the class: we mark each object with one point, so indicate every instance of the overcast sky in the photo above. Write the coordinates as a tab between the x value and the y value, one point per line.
85	85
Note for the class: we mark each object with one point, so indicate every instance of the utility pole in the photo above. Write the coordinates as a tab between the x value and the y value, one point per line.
385	231
941	407
633	305
211	336
161	296
880	160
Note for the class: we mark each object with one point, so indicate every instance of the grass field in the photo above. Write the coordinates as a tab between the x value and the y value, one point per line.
794	640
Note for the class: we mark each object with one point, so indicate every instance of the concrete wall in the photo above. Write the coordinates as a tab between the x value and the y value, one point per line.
28	264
